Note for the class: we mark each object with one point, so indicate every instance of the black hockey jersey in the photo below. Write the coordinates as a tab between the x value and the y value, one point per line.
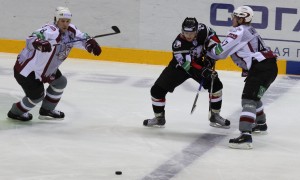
193	51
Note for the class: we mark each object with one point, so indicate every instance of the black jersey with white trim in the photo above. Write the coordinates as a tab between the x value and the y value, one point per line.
184	50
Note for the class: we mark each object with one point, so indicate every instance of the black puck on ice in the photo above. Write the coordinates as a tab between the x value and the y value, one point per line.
118	172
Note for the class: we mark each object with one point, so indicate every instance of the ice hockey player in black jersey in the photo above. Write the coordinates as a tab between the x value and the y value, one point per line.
188	61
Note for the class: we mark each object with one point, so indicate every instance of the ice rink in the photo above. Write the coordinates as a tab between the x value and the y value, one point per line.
105	104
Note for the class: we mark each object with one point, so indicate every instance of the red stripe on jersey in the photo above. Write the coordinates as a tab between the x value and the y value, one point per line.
58	39
19	67
195	65
215	38
246	119
268	54
250	47
48	63
240	58
72	30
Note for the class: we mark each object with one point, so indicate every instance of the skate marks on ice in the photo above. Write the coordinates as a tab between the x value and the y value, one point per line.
187	156
207	141
8	96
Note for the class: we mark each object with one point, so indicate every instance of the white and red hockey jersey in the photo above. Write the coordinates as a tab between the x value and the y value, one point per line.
45	64
244	45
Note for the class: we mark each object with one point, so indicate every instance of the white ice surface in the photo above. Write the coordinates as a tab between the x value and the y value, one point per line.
105	104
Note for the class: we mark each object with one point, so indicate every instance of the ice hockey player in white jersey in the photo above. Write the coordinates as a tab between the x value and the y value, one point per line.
39	61
248	51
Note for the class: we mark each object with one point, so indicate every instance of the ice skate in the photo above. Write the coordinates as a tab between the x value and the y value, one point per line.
260	128
24	117
244	141
218	121
51	114
158	121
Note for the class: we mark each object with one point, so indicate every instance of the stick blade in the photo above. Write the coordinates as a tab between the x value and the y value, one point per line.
193	109
116	29
195	103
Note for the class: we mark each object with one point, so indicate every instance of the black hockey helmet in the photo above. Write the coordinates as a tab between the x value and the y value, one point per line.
190	24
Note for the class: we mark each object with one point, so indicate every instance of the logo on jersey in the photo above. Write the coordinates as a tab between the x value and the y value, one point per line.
177	44
233	36
64	51
53	28
261	91
218	49
195	42
200	26
224	42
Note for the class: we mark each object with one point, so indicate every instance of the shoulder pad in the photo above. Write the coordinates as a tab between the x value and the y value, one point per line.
176	44
202	33
50	27
201	27
236	29
72	28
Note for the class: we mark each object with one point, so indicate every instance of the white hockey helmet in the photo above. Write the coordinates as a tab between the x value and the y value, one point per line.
245	12
62	12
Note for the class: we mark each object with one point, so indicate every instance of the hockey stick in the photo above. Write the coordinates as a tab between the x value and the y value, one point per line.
196	98
116	31
115	28
213	76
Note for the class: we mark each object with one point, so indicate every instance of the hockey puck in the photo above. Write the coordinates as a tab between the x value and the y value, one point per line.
118	172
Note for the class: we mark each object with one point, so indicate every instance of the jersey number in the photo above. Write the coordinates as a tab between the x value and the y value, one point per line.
43	30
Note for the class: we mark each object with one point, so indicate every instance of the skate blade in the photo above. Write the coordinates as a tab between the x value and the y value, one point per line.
217	125
155	126
259	132
246	146
50	118
12	119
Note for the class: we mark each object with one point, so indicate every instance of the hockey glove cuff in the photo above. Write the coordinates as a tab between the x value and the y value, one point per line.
93	47
244	73
186	65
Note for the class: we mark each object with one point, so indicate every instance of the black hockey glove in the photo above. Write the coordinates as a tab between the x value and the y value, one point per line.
92	46
42	45
208	73
209	62
244	73
204	72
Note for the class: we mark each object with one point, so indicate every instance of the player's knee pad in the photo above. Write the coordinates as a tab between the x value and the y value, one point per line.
260	115
217	94
35	101
259	105
249	105
59	83
218	86
158	92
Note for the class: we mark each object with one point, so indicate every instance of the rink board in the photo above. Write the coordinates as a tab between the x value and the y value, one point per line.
142	56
